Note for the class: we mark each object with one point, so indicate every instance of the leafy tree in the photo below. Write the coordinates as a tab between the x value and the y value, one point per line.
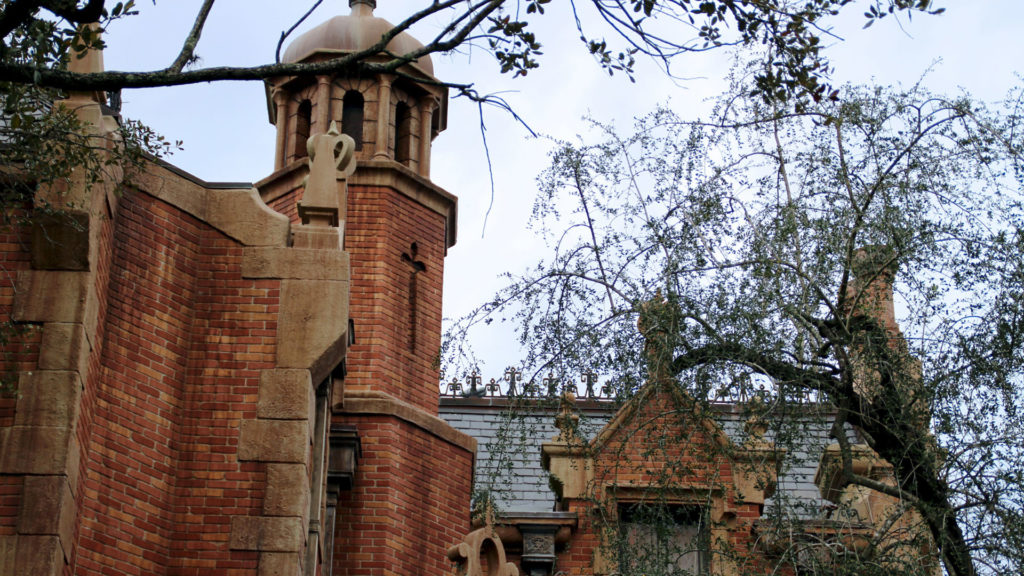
772	239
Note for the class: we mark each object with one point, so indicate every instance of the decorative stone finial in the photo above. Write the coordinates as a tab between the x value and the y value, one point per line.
88	62
331	158
567	421
468	553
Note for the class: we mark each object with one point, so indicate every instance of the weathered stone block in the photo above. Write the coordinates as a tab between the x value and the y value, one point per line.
317	237
267	534
64	347
242	215
40	450
274	441
286	395
51	296
8	548
45	502
38	556
48	398
312	325
60	240
295	263
287	490
279	564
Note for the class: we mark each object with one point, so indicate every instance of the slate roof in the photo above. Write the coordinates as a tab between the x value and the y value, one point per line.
509	454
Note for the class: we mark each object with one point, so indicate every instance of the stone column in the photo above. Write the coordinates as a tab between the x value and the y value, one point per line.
426	126
383	118
281	104
58	298
323	105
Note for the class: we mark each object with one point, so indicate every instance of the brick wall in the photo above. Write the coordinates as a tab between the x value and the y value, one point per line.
102	265
382	225
409	502
19	353
184	341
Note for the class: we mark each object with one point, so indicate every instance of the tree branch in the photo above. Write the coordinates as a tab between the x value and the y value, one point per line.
17	13
356	61
287	33
69	10
189	47
731	352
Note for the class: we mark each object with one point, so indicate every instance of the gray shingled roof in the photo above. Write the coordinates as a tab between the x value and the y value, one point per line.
509	455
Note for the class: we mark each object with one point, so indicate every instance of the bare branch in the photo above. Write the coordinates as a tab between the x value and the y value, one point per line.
286	34
189	47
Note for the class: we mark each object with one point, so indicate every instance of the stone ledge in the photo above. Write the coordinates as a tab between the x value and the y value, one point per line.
295	263
237	212
381	173
378	403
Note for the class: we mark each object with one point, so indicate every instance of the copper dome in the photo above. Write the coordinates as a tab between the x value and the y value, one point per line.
353	33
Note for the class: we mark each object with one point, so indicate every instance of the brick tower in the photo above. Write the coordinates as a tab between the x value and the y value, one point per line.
407	499
228	379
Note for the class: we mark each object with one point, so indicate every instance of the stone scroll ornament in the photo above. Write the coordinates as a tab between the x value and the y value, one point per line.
331	159
481	543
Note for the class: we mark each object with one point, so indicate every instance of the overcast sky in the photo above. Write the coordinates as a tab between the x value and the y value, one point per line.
975	46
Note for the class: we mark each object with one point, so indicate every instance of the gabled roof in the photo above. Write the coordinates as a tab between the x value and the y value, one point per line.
510	432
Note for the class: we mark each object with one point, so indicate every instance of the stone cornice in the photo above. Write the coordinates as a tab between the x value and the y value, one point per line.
379	403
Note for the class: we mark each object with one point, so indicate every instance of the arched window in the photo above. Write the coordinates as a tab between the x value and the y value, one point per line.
403	133
303	119
352	117
435	122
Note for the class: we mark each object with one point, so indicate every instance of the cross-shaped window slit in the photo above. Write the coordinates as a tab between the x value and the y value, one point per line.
415	267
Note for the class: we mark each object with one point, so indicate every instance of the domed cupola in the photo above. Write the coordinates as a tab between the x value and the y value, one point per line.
390	116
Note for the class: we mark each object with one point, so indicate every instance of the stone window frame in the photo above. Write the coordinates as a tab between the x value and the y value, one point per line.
709	499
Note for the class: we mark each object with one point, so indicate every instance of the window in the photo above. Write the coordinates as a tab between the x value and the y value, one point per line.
663	540
352	117
303	119
403	133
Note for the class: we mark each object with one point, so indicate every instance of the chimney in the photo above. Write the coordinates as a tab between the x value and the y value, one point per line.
871	292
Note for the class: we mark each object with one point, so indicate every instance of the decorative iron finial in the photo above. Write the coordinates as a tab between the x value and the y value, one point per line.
454	387
492	388
590	379
551	384
473	380
530	389
512	376
569	387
